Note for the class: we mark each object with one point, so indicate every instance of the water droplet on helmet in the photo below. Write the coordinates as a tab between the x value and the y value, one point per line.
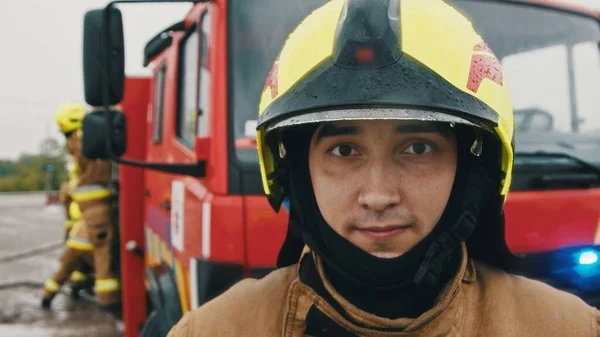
282	151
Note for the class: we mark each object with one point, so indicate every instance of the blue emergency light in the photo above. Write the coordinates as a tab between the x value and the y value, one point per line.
587	268
587	257
581	272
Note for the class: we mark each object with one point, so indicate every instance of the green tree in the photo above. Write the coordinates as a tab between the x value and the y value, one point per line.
34	172
7	167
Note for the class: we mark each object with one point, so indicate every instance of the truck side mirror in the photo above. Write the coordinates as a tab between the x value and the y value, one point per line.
97	126
104	80
104	130
103	56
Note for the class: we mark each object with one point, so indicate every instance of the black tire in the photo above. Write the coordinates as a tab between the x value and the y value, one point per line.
154	326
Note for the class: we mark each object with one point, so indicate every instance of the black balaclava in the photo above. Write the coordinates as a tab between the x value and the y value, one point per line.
384	287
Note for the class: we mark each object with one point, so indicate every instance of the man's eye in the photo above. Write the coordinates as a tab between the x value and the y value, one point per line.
343	151
419	148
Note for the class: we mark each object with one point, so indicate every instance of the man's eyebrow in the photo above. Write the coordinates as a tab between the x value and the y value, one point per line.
330	130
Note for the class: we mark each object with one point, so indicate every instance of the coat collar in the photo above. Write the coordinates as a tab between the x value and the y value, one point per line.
441	319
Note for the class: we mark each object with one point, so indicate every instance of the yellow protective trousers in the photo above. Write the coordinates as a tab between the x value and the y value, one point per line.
78	248
95	204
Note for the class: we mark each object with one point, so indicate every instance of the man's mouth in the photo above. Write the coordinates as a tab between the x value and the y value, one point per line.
383	232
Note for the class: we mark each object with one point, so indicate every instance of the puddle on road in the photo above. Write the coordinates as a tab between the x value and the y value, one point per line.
22	331
21	315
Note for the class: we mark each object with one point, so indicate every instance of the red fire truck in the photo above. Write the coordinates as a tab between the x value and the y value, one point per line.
193	218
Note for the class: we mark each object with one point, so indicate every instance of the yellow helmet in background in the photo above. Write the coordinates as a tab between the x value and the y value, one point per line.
375	59
69	117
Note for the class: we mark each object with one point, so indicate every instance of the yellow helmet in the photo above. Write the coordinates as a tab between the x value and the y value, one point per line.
69	117
409	59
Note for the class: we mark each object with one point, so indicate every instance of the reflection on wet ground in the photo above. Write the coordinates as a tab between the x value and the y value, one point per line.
26	224
21	315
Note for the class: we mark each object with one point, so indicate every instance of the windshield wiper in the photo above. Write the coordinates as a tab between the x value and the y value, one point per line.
578	159
569	178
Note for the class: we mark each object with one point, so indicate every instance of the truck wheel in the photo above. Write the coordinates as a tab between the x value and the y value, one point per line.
153	327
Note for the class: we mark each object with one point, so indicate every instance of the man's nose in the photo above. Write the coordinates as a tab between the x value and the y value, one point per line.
379	191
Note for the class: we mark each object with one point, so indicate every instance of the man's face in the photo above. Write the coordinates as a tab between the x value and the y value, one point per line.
73	143
382	185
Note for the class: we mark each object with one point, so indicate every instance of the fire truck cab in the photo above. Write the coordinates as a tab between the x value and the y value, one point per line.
193	217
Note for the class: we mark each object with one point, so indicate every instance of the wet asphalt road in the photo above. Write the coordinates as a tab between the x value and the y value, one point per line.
30	245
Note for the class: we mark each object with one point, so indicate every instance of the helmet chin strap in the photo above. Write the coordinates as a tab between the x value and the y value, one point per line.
440	251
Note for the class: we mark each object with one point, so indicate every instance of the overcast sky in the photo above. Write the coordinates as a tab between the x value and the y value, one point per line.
41	61
40	64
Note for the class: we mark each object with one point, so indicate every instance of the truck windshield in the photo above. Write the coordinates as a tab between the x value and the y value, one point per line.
551	61
257	31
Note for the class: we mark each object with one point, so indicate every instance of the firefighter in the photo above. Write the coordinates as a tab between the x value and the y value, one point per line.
76	261
389	128
94	195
